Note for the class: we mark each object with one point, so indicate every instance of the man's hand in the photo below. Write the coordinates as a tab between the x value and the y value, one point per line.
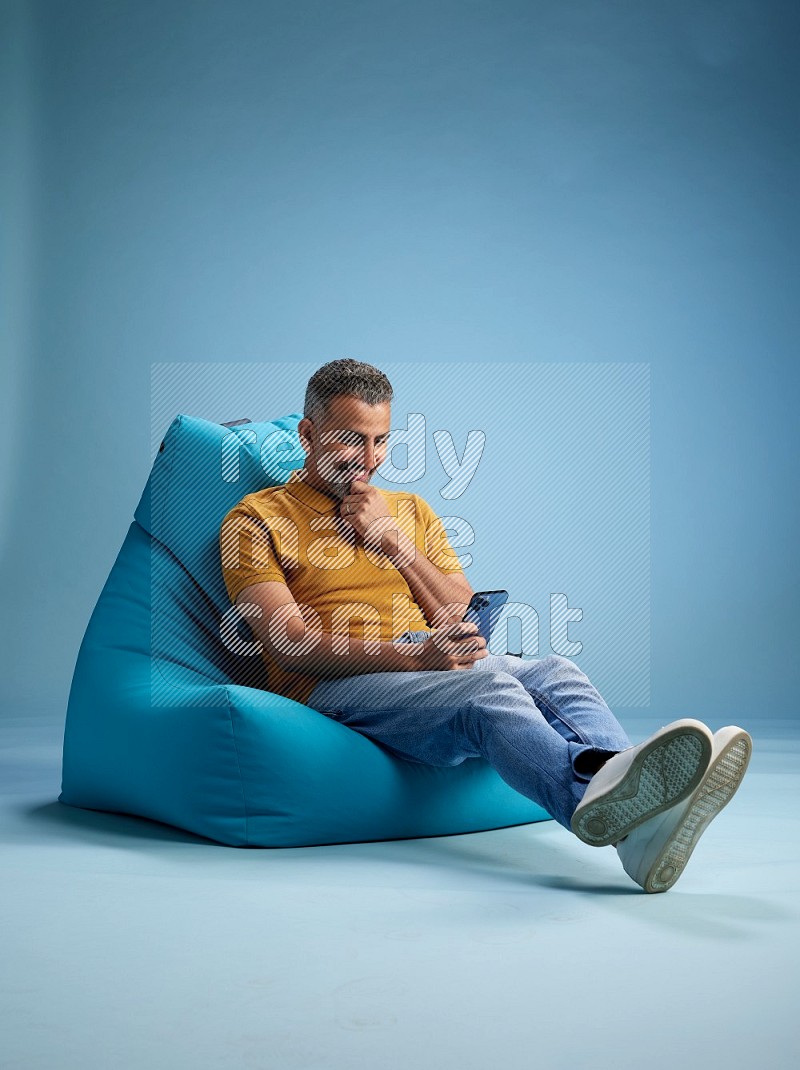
454	646
365	510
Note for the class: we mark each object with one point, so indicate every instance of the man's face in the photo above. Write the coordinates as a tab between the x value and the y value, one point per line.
350	443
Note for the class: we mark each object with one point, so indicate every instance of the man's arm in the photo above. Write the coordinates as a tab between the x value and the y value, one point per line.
443	597
281	628
433	574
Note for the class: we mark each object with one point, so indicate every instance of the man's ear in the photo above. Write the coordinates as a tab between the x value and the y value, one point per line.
304	431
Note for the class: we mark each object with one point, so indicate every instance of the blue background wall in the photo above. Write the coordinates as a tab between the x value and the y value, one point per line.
431	182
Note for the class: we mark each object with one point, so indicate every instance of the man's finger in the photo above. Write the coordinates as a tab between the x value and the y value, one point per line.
458	637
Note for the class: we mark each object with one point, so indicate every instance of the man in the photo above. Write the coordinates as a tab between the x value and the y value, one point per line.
328	548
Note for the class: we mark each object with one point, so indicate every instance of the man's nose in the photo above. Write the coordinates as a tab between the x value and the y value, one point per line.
368	456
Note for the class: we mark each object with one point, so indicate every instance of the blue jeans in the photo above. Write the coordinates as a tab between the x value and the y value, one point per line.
540	724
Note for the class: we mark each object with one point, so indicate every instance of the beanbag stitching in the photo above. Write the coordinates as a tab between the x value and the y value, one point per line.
239	767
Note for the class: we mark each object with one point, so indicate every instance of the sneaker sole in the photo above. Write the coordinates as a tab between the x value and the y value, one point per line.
720	786
656	780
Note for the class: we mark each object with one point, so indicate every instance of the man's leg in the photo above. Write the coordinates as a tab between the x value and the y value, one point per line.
570	703
545	729
444	717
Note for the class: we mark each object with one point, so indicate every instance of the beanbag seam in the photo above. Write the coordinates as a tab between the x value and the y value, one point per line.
239	767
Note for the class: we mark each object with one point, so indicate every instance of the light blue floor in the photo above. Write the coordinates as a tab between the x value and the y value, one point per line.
128	944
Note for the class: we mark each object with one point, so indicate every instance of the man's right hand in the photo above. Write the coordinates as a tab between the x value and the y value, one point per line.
453	646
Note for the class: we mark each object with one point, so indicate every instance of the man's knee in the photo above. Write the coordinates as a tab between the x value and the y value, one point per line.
492	680
505	663
490	695
488	708
557	665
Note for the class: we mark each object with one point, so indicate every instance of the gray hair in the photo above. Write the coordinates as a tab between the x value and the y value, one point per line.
344	376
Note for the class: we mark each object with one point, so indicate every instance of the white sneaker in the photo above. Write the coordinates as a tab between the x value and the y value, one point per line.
640	782
655	853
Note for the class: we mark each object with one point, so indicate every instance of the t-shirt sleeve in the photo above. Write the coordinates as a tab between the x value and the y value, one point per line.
247	552
437	546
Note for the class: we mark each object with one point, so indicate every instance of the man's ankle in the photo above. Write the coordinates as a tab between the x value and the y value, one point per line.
590	762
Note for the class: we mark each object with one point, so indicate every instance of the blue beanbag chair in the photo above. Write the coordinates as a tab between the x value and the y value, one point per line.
169	721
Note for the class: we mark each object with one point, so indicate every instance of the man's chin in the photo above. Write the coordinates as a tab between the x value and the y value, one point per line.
340	488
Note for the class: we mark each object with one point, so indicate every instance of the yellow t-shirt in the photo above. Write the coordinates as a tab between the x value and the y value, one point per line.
294	534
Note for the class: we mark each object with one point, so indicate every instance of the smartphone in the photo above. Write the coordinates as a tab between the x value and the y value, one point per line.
484	609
